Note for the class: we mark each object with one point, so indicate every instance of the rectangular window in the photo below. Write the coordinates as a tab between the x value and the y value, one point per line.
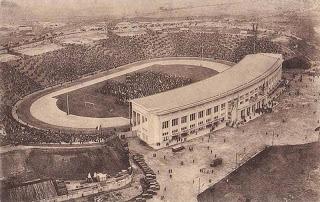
184	119
208	112
138	118
134	117
192	117
223	106
175	122
165	134
242	113
200	114
165	124
216	109
248	111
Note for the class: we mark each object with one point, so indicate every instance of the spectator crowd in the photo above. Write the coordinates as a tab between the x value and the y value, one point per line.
16	133
142	84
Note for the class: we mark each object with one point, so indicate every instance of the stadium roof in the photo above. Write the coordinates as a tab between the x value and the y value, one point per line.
247	71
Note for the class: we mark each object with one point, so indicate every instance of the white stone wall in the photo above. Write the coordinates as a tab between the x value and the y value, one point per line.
248	98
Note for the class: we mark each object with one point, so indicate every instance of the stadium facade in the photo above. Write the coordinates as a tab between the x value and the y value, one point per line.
234	96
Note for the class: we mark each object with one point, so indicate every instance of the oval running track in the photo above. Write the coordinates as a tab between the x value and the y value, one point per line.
45	109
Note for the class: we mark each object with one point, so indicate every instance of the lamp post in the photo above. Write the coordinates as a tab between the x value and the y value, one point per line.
272	138
236	159
68	110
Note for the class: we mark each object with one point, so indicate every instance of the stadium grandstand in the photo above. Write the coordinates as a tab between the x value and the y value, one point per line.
224	99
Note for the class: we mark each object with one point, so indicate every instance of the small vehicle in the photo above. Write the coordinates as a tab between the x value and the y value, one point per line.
216	162
146	195
151	176
177	148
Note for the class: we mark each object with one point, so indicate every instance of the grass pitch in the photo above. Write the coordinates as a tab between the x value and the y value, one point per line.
89	103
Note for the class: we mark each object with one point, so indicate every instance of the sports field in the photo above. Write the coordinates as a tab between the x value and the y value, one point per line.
90	103
90	109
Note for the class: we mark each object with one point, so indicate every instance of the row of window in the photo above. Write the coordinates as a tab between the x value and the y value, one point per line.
192	117
253	93
192	126
166	136
208	112
252	109
136	117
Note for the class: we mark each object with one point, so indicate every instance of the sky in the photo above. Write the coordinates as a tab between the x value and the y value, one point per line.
129	8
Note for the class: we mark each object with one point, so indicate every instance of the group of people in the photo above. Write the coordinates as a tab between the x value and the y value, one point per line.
74	61
254	45
142	84
15	84
16	133
220	46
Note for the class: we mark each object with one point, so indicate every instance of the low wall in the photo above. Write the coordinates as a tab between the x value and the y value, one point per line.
256	155
113	184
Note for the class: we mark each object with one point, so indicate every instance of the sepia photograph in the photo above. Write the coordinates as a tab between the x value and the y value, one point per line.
160	100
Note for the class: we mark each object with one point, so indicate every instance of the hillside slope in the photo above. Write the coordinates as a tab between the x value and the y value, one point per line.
284	173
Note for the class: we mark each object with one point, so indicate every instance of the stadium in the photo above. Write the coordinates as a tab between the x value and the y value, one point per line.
158	109
174	114
200	108
69	94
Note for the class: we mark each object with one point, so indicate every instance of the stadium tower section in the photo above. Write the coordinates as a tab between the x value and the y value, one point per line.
236	95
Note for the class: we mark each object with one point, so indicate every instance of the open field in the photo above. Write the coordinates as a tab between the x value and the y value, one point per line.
89	103
8	57
284	173
88	37
37	49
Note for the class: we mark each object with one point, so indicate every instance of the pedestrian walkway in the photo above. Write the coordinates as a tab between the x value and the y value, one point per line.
292	122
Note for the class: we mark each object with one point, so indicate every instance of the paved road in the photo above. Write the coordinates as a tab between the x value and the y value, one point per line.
292	121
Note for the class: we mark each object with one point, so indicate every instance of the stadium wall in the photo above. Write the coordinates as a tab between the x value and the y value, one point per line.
236	107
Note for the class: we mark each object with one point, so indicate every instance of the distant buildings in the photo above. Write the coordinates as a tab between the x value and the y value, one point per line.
3	50
25	29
